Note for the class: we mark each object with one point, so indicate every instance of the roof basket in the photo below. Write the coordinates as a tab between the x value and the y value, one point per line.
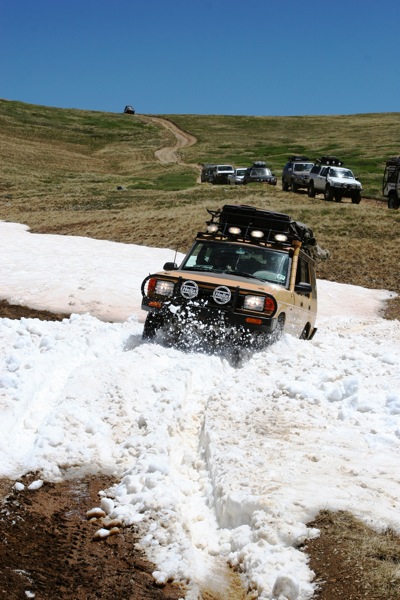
259	163
330	160
249	219
394	161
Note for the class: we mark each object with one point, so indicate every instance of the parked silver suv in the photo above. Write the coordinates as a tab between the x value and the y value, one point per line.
330	178
295	173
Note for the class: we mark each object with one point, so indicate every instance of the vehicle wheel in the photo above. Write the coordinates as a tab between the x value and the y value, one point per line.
311	190
285	186
279	328
356	199
393	201
338	198
328	194
294	187
305	333
152	324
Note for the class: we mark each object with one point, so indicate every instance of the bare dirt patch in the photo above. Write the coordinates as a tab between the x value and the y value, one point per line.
48	548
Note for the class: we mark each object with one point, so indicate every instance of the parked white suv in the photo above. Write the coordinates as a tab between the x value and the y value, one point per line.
220	173
329	177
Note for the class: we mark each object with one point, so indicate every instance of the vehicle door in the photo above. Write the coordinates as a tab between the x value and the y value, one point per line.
320	180
305	301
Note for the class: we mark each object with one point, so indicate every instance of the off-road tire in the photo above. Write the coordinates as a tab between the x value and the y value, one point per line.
311	190
152	324
329	194
393	202
294	187
305	333
356	198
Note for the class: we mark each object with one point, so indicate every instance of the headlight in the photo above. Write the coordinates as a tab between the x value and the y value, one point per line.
254	303
265	304
164	288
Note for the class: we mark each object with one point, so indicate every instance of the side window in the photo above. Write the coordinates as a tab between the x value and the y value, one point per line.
324	171
315	169
303	272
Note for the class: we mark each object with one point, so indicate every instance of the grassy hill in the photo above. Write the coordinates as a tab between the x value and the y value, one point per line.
95	174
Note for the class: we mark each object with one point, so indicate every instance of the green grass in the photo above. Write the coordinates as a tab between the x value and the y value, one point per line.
363	142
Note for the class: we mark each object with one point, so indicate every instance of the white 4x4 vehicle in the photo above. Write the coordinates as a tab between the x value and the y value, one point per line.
391	182
220	173
330	178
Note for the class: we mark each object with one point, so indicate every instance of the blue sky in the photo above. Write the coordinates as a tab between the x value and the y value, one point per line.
226	57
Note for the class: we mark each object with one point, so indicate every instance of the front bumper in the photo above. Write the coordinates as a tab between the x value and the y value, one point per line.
204	316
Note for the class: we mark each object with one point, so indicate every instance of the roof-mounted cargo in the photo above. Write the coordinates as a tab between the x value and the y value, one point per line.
249	224
394	161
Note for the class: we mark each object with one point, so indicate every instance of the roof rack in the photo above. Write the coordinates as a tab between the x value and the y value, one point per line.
394	161
329	160
247	219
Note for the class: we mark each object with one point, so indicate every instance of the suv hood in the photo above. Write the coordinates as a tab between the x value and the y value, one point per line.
345	181
249	283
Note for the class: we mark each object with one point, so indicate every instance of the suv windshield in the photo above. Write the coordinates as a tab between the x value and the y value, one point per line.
225	168
302	166
260	263
260	172
344	173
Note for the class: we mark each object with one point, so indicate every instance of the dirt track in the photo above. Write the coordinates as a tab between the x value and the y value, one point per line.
170	154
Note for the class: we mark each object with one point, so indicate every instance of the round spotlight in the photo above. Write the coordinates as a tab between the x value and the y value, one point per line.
213	228
257	233
281	237
234	230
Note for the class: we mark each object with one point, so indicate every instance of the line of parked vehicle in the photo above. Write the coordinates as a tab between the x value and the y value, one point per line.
226	174
326	175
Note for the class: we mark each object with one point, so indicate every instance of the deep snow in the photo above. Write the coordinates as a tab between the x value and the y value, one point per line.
216	465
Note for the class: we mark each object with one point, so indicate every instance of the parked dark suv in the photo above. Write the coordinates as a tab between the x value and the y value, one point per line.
259	173
207	172
295	173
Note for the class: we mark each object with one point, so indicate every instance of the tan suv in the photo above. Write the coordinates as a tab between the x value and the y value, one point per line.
246	279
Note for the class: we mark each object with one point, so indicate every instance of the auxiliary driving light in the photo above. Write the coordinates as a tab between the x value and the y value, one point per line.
234	230
256	233
281	237
213	228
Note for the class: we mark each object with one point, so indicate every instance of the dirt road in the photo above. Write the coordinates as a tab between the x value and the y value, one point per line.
169	154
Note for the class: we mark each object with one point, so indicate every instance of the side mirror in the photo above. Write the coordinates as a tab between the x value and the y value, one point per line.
303	288
170	266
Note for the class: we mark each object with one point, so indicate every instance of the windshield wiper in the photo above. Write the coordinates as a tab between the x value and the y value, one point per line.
196	268
242	274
